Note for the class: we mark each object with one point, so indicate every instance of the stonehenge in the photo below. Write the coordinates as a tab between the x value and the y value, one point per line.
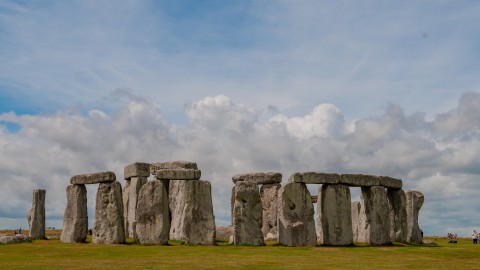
36	215
177	205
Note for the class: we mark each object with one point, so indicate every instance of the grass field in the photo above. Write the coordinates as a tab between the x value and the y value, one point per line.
51	254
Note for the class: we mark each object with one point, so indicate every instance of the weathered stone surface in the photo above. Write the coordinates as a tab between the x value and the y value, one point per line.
178	174
179	164
314	178
259	178
136	184
247	212
191	209
224	232
398	215
296	226
334	215
93	178
232	204
314	198
269	197
414	202
355	220
363	180
137	169
14	239
153	222
125	191
36	215
109	226
75	219
374	217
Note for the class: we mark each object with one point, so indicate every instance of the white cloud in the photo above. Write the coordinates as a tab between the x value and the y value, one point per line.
226	138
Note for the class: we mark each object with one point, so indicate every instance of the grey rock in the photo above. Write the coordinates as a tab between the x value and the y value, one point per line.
178	174
136	184
360	180
14	239
93	178
259	178
314	178
109	226
269	197
296	226
75	219
398	215
334	215
191	209
314	198
152	217
355	220
179	164
125	191
374	216
137	169
414	202
36	215
247	212
232	204
389	182
224	232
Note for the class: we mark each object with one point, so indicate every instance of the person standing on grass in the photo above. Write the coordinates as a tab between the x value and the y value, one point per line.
475	237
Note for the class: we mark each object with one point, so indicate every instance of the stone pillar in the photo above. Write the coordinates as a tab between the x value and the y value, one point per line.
269	196
36	215
355	220
247	212
192	212
374	216
135	176
334	215
296	226
414	202
75	220
232	204
109	226
398	215
153	221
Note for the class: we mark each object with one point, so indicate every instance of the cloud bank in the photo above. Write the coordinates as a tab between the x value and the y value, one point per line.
439	157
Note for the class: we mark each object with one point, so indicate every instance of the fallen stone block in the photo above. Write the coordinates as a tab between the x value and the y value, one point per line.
259	178
137	169
93	178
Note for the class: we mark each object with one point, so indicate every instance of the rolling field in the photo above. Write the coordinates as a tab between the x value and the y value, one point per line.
51	254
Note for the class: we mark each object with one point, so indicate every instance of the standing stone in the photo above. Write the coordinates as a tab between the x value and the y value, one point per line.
355	220
136	184
125	194
36	215
247	222
232	204
269	196
334	215
109	226
75	220
153	222
192	212
415	201
398	215
296	226
374	216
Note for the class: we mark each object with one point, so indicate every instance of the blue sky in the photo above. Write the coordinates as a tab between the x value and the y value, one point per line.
381	87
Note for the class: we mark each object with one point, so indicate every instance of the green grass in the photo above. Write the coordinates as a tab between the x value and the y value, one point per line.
51	254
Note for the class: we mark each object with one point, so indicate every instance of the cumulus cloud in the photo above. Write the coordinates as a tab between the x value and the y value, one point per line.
437	157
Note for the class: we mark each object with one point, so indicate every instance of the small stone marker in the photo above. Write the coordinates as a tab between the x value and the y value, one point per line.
93	178
36	215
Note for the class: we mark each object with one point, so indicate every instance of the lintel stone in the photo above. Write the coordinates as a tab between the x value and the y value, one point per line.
178	174
353	180
315	178
178	164
93	178
259	178
137	169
